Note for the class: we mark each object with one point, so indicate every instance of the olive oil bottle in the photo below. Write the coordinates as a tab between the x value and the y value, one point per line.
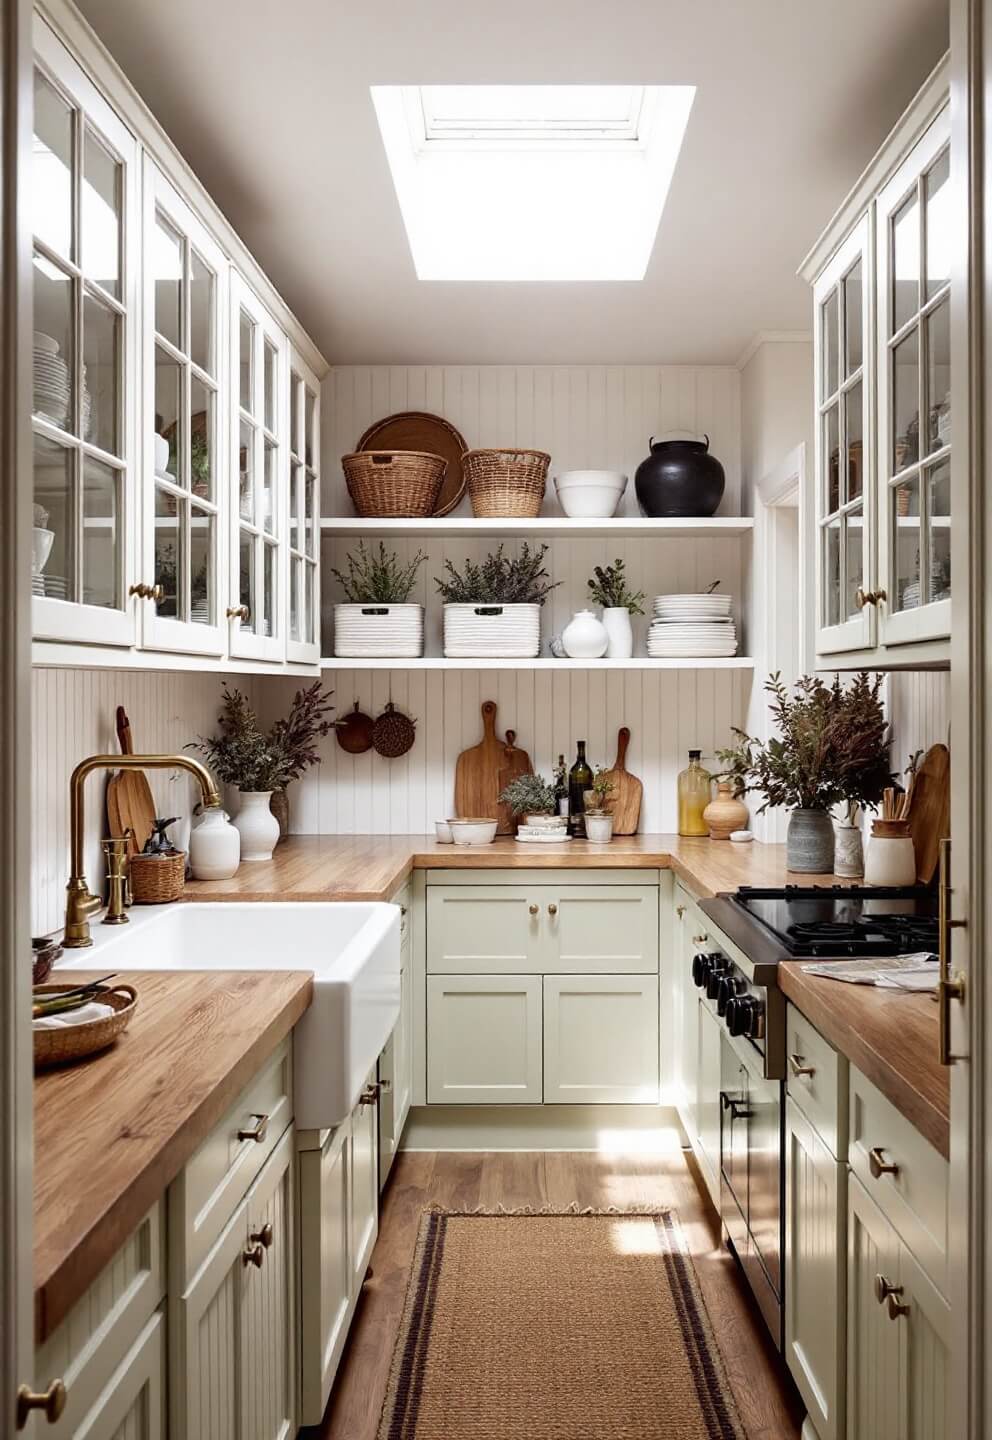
694	796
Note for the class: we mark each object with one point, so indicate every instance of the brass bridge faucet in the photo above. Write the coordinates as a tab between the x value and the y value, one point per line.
80	904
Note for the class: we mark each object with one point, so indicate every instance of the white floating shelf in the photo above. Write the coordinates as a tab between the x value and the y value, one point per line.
544	662
545	527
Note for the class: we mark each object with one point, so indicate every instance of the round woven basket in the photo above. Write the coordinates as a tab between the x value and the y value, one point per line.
506	482
157	879
71	1042
393	482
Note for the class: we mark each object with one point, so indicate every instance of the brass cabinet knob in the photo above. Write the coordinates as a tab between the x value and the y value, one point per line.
884	1288
253	1255
680	911
533	909
699	939
552	909
798	1068
896	1307
369	1095
50	1402
869	597
239	612
263	1236
148	592
878	1165
257	1131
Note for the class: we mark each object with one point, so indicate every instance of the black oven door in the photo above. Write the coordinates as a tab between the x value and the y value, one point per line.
733	1145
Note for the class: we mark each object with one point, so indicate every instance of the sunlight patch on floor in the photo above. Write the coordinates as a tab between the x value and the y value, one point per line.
660	1141
635	1236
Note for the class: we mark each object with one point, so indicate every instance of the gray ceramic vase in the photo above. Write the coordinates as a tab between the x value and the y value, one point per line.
809	843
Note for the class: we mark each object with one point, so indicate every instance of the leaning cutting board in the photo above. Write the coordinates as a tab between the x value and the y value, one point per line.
627	789
516	762
130	803
930	810
477	772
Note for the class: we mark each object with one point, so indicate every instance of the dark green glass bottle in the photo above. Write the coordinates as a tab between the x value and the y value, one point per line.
579	781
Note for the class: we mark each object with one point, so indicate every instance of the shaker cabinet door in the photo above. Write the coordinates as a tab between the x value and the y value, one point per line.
873	1339
484	1039
600	1039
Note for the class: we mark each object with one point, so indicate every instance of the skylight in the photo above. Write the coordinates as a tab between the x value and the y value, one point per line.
532	182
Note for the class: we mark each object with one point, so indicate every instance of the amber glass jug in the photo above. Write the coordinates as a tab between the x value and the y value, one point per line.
694	796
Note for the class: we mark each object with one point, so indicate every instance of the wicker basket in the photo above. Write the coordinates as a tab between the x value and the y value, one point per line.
506	482
393	482
157	879
63	1043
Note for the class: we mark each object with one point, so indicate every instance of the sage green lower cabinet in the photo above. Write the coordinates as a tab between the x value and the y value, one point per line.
484	1039
600	1039
696	1081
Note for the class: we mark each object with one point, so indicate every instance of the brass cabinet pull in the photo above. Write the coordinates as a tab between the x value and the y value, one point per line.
385	1085
369	1095
257	1131
263	1236
238	612
552	909
699	939
148	592
950	985
878	1165
798	1068
896	1308
680	911
533	909
253	1255
869	597
50	1402
884	1288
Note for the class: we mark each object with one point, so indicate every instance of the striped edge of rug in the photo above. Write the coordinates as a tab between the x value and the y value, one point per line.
474	1322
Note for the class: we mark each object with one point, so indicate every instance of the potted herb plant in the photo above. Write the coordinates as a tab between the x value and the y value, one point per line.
376	616
260	764
494	609
533	798
608	588
832	745
597	816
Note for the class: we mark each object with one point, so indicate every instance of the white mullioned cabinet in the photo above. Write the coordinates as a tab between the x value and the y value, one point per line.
303	580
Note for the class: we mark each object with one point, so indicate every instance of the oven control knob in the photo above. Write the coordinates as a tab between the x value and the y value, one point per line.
719	966
755	1020
699	969
738	1014
729	986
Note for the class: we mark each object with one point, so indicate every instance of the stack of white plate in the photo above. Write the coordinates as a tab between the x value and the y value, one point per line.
52	391
370	632
54	586
692	627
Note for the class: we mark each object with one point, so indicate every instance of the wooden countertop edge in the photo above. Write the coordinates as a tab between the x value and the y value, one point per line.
59	1287
897	1087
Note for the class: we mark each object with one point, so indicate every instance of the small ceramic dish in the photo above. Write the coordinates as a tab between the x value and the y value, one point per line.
442	829
473	831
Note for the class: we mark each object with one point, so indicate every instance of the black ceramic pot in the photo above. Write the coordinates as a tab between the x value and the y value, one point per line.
679	478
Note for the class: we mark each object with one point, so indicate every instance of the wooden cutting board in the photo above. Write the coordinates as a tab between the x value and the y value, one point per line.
130	803
477	772
627	790
515	762
930	810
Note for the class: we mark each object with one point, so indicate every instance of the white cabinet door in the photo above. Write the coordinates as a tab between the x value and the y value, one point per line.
597	928
815	1273
483	1039
600	1039
303	581
484	929
325	1268
687	1017
268	1355
926	1340
708	1090
132	1406
873	1339
403	1049
364	1176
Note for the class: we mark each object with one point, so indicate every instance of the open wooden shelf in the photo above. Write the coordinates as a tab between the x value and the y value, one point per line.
544	527
543	662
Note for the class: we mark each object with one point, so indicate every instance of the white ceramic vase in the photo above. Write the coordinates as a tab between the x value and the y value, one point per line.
599	828
891	860
620	635
214	847
257	826
585	637
849	853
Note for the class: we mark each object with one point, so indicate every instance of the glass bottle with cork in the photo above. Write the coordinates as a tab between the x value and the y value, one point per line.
561	788
579	781
693	796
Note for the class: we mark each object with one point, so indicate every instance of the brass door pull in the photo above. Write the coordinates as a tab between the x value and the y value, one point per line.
257	1131
699	939
680	911
369	1095
263	1236
884	1288
254	1255
878	1165
148	592
869	597
552	909
896	1308
950	984
798	1068
533	909
50	1402
238	612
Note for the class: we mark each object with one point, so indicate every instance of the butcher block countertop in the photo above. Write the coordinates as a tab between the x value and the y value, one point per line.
112	1132
373	867
890	1036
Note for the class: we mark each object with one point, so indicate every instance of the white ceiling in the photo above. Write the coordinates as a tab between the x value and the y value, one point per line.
270	105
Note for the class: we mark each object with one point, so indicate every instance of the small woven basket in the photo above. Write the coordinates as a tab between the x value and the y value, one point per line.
506	482
63	1043
157	879
393	482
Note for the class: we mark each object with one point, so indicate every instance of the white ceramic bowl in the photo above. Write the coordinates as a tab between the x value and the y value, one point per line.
41	547
545	822
442	829
590	494
473	832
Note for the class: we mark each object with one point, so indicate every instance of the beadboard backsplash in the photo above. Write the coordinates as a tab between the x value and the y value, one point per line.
585	416
919	708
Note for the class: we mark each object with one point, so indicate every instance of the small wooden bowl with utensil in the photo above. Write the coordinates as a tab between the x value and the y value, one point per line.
65	1043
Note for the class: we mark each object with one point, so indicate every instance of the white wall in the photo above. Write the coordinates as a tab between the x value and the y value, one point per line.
776	409
920	711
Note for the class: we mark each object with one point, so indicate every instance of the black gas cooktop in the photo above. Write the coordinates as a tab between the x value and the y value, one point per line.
837	920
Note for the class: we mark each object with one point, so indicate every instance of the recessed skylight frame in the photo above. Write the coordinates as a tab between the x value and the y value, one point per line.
527	115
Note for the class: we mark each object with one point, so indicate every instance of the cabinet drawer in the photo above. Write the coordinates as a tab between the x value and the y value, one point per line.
913	1196
484	929
204	1197
816	1079
483	1039
600	1039
603	928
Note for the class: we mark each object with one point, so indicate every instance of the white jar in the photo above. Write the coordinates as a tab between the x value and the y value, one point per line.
214	846
891	860
849	855
620	636
258	827
585	637
599	828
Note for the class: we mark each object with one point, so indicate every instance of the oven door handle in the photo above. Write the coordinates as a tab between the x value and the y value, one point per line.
738	1108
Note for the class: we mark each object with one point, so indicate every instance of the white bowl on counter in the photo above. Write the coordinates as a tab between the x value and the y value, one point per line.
473	831
590	494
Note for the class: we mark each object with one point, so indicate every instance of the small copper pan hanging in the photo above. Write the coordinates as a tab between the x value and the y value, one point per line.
354	732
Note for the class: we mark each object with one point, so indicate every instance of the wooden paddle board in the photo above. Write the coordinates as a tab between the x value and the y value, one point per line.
625	801
130	803
930	810
516	762
477	772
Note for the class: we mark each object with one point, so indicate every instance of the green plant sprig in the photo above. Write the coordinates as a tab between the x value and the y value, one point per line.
500	579
378	577
609	589
244	755
529	795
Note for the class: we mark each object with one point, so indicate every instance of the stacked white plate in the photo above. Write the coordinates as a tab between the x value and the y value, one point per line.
52	392
54	586
692	627
370	632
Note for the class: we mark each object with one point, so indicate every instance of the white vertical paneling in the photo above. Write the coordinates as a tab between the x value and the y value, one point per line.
586	416
919	708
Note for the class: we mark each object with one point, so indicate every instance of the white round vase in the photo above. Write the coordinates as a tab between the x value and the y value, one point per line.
620	635
585	637
214	847
257	826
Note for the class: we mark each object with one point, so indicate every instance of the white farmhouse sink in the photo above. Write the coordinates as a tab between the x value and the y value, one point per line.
353	950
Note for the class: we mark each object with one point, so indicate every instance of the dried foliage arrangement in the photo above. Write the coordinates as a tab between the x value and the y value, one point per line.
245	755
529	795
608	587
378	577
500	580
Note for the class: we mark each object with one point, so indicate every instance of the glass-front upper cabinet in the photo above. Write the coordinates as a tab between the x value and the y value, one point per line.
845	493
182	587
84	202
303	643
261	444
914	239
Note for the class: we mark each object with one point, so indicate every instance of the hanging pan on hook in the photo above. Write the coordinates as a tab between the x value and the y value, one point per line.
354	732
393	733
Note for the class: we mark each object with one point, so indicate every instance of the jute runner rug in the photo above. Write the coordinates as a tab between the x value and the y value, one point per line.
555	1326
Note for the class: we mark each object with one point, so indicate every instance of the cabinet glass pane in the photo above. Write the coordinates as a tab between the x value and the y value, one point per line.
295	589
103	187
246	473
201	313
311	515
938	325
906	402
310	439
831	458
52	567
828	344
167	259
853	403
905	262
200	566
937	189
53	349
201	444
852	320
269	375
246	578
309	604
939	511
831	572
296	507
246	362
168	549
51	168
854	528
295	388
168	412
269	481
269	590
101	375
101	534
906	500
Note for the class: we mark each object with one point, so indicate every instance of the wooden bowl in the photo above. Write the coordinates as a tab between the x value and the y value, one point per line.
64	1043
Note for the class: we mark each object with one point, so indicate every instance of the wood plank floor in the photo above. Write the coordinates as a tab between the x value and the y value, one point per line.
769	1406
